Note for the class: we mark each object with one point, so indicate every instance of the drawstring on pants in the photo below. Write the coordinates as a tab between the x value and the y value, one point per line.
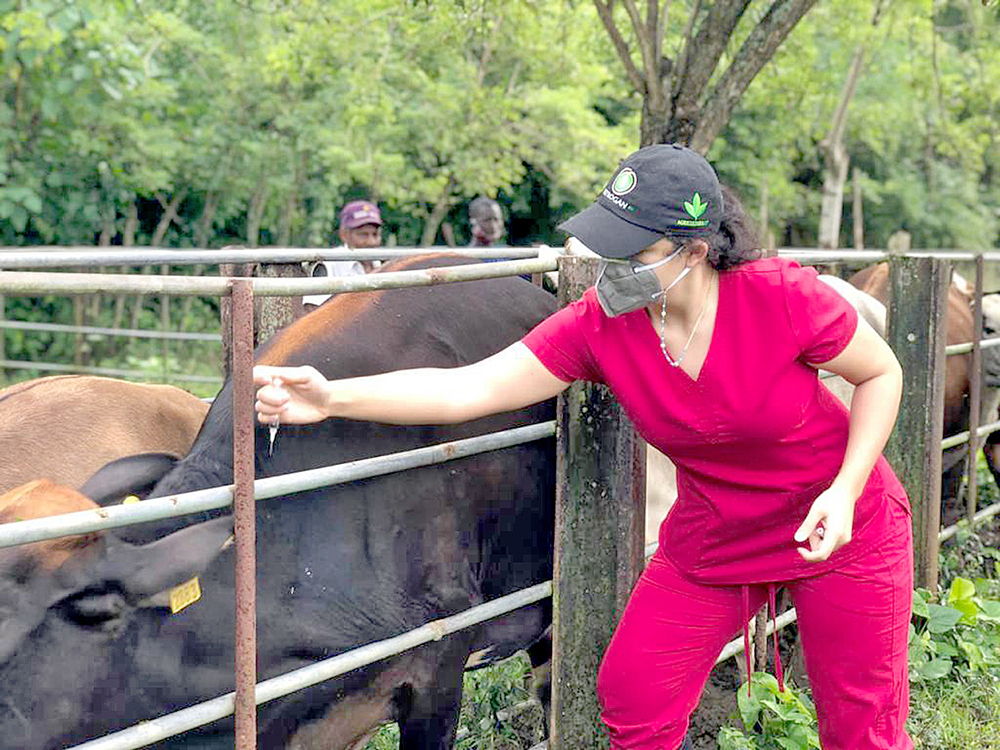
771	603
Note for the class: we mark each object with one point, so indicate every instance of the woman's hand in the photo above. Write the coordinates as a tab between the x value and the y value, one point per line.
828	525
290	395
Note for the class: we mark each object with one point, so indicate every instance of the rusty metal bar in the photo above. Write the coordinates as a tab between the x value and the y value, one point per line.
147	732
172	506
59	257
245	515
46	282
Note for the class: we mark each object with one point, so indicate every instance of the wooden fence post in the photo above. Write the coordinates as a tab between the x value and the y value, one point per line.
917	299
277	312
600	520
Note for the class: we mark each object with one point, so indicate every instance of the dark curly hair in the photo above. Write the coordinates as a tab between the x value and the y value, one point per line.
735	241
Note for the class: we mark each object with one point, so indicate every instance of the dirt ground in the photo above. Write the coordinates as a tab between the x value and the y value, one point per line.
717	707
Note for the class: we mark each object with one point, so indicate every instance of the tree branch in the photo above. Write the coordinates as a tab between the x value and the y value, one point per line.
624	54
756	51
650	64
661	26
702	54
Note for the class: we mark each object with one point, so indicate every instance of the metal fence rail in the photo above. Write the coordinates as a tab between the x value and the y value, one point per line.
17	364
198	715
71	284
171	506
132	333
84	257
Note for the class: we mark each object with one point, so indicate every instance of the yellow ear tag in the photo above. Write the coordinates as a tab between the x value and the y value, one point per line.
184	595
130	500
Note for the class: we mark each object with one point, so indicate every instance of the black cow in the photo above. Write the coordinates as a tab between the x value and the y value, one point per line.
85	650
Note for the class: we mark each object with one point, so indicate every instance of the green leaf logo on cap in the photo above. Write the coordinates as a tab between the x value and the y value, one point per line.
695	208
624	182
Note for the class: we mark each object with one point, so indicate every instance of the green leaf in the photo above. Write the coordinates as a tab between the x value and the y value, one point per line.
935	670
989	610
942	619
946	649
749	707
969	610
920	604
973	654
33	203
961	589
18	218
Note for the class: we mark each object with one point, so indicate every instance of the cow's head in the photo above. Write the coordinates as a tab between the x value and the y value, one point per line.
68	607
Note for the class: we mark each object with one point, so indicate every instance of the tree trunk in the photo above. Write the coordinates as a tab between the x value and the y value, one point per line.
438	213
203	228
128	240
858	211
169	214
676	107
255	213
836	161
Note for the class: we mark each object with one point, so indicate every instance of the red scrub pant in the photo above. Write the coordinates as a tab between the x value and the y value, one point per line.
853	623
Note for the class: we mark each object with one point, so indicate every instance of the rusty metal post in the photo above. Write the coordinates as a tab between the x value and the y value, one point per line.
918	295
244	512
600	521
232	270
975	389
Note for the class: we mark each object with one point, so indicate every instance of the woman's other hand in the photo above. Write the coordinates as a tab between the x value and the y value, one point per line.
828	525
290	395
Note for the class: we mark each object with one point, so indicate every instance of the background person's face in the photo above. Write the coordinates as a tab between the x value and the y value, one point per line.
488	226
367	235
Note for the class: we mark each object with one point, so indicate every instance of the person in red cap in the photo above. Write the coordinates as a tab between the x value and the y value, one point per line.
714	353
359	227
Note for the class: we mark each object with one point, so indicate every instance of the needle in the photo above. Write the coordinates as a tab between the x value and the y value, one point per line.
272	433
273	427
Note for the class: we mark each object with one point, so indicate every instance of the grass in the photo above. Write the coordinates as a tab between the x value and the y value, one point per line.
957	713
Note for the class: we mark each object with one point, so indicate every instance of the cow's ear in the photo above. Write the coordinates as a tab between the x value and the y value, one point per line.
131	475
144	570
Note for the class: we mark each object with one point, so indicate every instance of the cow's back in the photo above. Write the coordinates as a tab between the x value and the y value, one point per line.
64	428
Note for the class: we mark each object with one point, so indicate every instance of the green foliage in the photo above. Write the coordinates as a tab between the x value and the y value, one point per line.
773	719
960	712
956	635
921	127
112	111
487	720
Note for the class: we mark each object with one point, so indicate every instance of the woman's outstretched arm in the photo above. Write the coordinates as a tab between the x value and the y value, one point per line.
509	380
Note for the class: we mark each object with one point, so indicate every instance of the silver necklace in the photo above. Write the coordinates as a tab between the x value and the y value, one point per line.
663	327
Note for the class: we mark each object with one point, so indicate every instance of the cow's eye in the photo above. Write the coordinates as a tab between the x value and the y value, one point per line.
94	608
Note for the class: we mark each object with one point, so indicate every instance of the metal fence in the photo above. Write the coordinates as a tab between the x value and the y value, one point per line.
574	497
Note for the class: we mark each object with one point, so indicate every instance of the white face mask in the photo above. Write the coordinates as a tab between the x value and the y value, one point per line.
625	286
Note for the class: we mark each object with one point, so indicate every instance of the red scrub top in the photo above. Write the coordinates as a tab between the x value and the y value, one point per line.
755	438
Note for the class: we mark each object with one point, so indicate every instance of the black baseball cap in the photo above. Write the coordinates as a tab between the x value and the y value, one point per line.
658	190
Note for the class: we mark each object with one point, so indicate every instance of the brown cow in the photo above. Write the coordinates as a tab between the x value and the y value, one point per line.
66	427
958	329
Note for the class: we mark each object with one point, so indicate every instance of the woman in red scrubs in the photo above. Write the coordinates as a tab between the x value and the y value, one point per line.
713	353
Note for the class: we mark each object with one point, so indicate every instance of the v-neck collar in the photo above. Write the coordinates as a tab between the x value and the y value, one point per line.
697	379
